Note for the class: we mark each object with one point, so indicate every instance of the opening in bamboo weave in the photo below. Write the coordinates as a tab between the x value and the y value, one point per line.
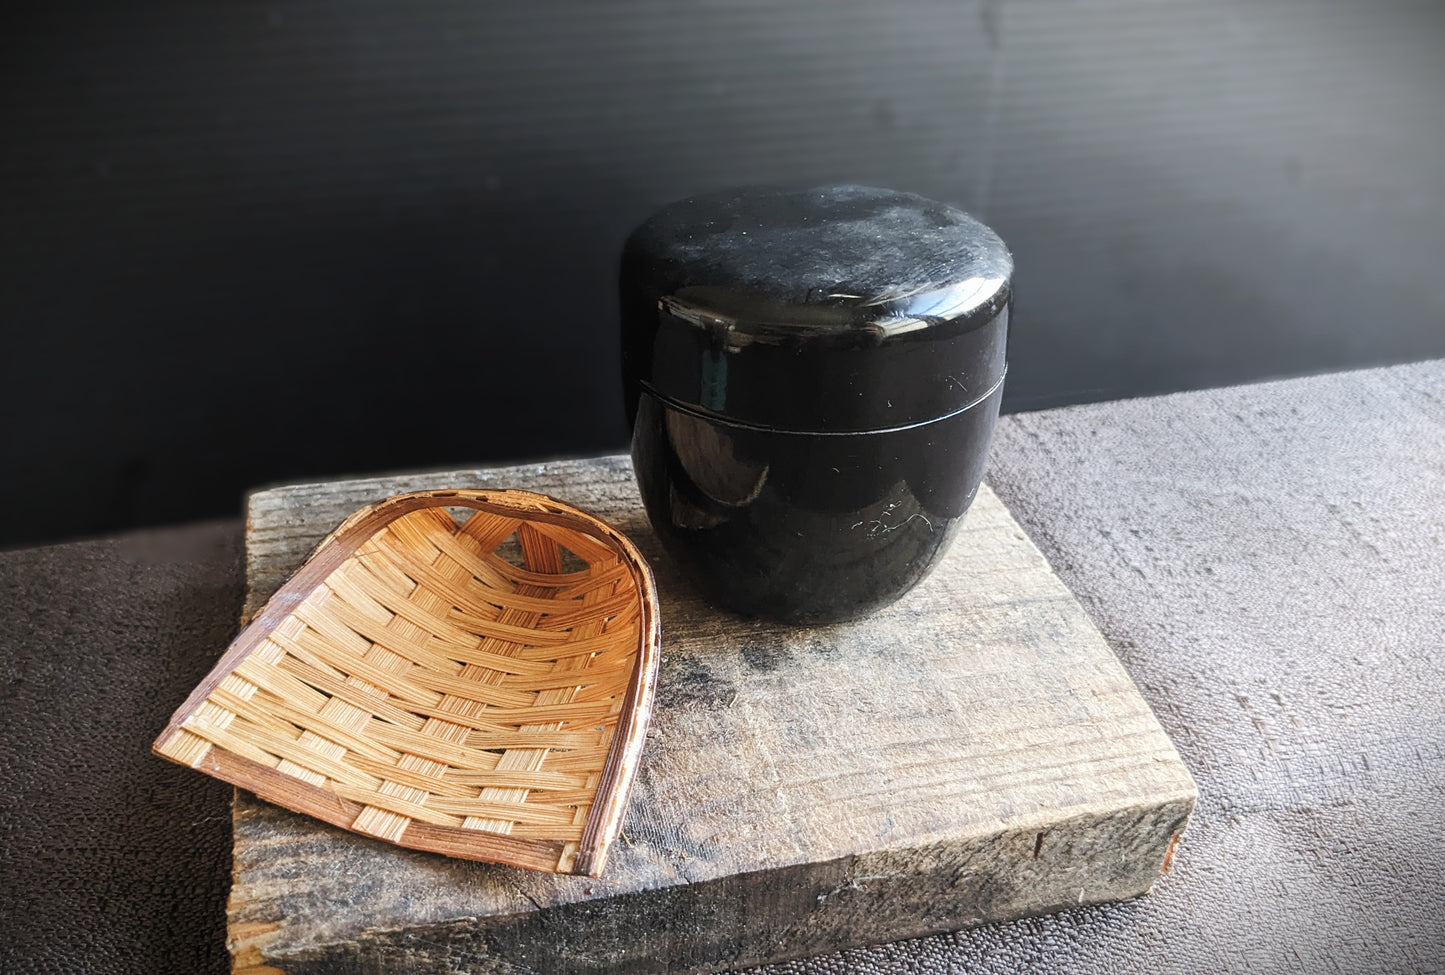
412	683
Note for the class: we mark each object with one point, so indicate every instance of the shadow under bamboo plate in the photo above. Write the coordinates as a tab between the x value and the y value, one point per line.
413	683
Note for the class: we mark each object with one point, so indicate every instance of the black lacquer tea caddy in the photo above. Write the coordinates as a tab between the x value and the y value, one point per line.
812	378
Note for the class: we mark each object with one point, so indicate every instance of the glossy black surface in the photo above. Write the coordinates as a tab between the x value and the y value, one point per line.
812	378
802	527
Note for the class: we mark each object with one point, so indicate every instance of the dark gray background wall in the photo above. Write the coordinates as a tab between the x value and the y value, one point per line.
244	241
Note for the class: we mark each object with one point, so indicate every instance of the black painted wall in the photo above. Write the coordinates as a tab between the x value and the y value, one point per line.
242	242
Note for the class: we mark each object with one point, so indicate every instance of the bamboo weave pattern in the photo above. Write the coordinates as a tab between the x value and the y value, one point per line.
430	692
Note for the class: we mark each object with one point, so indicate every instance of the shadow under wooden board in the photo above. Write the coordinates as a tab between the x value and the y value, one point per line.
971	753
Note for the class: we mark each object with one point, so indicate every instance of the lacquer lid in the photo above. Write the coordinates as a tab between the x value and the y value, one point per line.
834	309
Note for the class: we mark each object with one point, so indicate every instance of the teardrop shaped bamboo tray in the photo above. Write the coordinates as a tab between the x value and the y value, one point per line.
411	683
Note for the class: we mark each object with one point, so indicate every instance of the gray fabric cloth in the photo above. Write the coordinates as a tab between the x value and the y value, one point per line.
111	860
1268	561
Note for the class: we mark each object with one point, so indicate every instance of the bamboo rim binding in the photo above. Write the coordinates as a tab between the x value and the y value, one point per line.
410	683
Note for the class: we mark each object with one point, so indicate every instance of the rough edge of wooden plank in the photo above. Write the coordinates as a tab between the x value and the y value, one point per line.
817	908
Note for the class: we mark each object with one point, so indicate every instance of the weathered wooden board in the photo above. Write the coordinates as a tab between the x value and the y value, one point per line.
973	752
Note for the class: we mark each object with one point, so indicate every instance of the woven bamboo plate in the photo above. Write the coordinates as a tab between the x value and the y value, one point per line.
411	683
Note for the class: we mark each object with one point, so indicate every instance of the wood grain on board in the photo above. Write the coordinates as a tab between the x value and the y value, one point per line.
971	753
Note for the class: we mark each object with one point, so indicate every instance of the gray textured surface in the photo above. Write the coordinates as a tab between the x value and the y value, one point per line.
111	860
1268	562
